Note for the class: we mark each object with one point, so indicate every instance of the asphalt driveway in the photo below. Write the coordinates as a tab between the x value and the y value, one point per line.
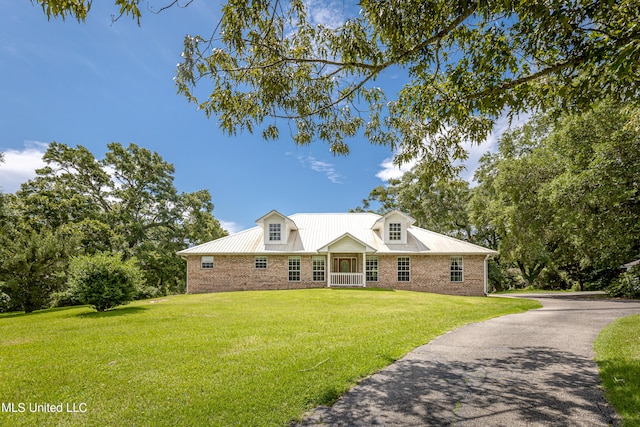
534	369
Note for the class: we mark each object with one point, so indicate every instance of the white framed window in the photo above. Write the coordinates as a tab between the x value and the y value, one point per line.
275	232
404	269
318	265
260	262
372	269
294	268
395	231
457	269
206	261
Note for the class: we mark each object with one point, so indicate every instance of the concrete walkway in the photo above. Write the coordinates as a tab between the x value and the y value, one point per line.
529	369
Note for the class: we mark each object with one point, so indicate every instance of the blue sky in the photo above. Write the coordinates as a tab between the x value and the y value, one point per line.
95	82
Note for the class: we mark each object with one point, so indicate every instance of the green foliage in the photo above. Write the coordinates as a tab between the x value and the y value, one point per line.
33	265
225	359
103	280
135	209
627	285
271	64
79	8
563	197
438	205
617	351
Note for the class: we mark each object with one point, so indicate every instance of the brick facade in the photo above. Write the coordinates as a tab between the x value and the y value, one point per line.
428	273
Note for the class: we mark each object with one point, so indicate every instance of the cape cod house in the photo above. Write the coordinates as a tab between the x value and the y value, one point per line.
337	250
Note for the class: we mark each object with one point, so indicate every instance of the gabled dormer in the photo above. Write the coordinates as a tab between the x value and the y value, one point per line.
392	228
276	228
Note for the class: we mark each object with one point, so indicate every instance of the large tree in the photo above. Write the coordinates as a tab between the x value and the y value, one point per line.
438	205
125	203
564	196
272	66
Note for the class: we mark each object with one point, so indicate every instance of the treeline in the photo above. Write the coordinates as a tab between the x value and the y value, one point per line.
560	200
124	205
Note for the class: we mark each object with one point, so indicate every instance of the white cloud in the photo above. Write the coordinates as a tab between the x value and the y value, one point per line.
20	165
230	226
391	171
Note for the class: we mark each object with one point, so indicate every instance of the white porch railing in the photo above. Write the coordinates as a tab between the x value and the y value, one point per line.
346	279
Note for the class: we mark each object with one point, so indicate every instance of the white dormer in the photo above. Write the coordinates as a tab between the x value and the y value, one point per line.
276	228
392	228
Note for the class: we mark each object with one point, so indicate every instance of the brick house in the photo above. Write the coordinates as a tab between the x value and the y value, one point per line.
337	250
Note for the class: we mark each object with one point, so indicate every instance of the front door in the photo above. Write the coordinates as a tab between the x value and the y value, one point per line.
345	265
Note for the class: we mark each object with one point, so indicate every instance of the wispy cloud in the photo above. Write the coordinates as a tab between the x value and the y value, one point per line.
329	14
328	169
20	165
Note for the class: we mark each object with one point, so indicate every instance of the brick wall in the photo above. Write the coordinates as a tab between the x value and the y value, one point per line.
428	273
431	273
238	273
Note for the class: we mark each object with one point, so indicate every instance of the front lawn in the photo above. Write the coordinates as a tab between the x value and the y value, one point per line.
618	355
242	359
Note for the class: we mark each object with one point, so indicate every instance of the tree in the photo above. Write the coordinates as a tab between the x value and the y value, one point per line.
134	209
271	65
104	280
438	205
32	265
507	202
596	197
80	8
563	196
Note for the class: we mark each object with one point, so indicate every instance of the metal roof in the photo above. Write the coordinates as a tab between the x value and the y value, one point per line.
318	230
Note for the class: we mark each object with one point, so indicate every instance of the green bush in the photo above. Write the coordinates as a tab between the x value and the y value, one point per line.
5	302
103	280
627	285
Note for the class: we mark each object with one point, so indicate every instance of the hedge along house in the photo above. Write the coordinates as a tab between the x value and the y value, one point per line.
337	250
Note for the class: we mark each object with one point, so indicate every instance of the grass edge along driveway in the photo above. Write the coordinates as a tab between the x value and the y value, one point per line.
244	358
618	355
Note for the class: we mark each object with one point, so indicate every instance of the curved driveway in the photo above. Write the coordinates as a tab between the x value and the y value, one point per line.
529	369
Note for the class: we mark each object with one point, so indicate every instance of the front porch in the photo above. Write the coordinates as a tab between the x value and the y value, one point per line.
347	270
346	258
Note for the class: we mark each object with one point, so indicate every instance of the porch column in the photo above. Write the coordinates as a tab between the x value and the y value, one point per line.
327	270
364	268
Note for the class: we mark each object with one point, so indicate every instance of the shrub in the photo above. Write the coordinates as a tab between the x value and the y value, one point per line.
5	302
627	285
103	280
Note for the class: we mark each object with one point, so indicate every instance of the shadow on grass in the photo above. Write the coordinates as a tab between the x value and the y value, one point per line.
621	379
36	312
121	311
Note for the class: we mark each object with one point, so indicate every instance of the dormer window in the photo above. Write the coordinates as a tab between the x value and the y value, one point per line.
395	231
275	232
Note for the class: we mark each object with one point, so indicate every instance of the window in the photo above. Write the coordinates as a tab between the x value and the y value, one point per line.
318	269
456	269
206	262
395	231
274	232
372	269
404	269
261	262
294	269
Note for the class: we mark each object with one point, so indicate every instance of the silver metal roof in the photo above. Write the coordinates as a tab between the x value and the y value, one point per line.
317	230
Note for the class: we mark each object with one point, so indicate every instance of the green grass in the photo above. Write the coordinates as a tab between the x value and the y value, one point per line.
618	355
227	359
